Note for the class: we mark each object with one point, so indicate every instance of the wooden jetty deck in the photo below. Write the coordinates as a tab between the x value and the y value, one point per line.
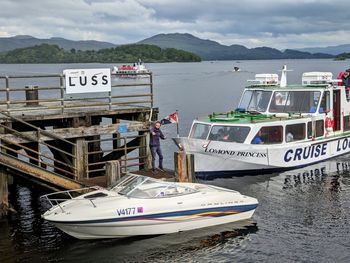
67	140
72	141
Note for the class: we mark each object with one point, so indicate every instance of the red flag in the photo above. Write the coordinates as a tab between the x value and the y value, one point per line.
171	118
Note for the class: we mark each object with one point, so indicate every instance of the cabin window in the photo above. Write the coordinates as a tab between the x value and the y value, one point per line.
346	123
325	103
199	131
295	101
295	132
269	135
255	100
318	129
229	133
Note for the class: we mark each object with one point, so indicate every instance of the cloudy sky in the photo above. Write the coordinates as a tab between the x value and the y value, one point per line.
275	23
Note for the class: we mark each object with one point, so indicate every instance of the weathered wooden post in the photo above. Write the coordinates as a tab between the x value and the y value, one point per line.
32	95
4	202
112	172
190	167
184	167
144	151
180	171
80	155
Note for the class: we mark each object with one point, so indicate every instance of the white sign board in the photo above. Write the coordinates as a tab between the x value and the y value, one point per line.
87	80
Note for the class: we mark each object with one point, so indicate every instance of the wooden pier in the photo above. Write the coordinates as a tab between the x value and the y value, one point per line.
67	140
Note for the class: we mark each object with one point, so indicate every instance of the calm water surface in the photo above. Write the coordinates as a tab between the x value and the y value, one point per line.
303	215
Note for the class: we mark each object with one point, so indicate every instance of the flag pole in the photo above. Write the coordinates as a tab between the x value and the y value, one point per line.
177	124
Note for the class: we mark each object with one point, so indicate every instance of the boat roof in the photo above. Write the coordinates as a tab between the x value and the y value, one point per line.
235	117
289	87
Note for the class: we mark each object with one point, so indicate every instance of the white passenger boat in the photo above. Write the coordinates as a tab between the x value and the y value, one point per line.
275	127
131	71
139	205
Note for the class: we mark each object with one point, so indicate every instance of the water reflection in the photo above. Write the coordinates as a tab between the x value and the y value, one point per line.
33	239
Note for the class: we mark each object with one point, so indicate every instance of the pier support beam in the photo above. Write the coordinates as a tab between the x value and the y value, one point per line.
184	167
81	158
4	202
112	172
144	151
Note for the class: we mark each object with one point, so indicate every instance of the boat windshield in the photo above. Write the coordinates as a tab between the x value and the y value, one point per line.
227	133
199	131
255	100
138	186
295	101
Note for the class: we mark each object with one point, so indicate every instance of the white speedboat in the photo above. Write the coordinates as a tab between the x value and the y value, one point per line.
139	205
275	127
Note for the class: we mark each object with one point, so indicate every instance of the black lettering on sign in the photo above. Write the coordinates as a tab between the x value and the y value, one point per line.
104	80
70	82
94	80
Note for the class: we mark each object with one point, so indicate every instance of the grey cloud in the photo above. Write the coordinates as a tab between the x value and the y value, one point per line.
281	24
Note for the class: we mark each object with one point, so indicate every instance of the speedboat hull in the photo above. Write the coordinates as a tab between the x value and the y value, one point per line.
150	226
151	208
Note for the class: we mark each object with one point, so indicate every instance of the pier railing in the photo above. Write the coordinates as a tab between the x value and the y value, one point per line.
47	93
30	148
130	151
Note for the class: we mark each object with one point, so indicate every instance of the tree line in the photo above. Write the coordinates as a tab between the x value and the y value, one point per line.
46	53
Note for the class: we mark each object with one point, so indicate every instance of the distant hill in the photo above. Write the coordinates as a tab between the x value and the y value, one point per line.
333	50
211	50
23	41
46	53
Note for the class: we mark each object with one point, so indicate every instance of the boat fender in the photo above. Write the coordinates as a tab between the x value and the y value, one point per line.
329	123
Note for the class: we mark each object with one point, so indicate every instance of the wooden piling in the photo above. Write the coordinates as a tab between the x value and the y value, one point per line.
112	172
3	192
184	167
32	96
190	171
144	151
80	153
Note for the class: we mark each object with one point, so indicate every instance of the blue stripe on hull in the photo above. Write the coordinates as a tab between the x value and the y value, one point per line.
238	208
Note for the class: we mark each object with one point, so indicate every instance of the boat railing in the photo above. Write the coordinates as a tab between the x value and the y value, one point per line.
70	195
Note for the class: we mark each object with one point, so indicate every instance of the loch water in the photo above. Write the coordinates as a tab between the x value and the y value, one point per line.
303	214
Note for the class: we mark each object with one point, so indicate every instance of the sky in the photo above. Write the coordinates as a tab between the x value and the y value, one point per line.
253	23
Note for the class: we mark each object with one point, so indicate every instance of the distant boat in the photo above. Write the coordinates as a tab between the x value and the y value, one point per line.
235	69
131	71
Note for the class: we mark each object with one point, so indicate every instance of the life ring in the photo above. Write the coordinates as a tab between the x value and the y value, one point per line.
329	124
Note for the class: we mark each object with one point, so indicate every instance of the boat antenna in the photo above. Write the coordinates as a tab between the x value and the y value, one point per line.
283	82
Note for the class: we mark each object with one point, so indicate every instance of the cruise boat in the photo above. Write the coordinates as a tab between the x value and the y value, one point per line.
136	70
139	205
275	127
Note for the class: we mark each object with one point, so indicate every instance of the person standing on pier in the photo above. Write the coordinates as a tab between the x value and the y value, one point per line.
154	143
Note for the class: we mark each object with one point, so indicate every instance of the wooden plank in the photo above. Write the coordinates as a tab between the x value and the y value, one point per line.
44	113
39	173
78	132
